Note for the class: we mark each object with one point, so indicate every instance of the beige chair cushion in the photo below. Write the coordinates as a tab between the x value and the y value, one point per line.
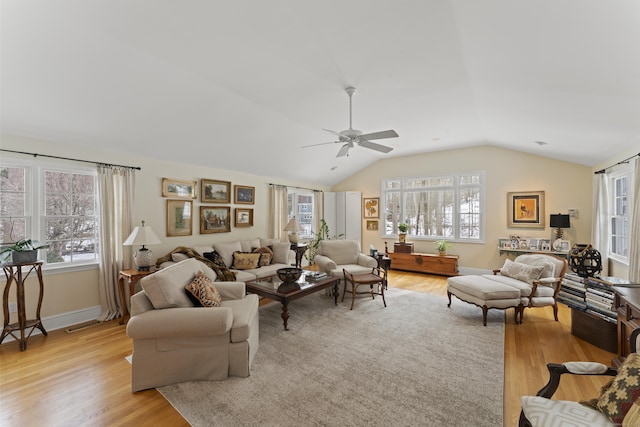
281	252
248	245
543	412
165	288
483	288
341	252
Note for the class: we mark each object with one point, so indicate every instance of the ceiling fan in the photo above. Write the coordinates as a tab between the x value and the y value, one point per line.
351	137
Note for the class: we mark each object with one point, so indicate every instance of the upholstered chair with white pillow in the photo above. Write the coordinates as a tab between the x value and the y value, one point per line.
334	256
182	336
618	403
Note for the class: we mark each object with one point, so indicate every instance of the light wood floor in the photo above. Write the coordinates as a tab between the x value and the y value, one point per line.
83	379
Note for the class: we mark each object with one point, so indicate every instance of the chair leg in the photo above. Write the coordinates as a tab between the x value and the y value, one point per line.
354	288
485	309
371	290
382	293
555	311
344	289
449	295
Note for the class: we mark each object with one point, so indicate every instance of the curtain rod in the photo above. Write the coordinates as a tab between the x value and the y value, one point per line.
68	158
300	188
619	163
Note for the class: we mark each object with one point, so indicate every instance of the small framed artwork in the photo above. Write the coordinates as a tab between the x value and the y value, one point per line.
372	225
214	191
561	245
533	244
525	209
214	219
179	217
177	189
244	194
544	244
371	207
243	217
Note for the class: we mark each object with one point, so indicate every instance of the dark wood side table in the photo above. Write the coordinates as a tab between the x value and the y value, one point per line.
299	249
13	273
384	262
132	277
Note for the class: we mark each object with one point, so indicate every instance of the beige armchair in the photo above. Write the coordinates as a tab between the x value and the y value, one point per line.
174	341
334	256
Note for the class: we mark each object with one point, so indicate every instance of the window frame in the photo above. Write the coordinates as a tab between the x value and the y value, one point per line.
35	206
628	174
294	192
456	187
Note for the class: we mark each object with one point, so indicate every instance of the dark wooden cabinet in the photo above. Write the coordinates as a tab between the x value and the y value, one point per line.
627	303
446	265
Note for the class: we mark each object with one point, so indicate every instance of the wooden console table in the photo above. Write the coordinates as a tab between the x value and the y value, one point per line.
13	273
446	265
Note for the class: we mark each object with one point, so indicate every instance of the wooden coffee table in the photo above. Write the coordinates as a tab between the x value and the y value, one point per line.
271	287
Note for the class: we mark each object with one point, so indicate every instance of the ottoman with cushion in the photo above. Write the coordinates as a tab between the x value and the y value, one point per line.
485	293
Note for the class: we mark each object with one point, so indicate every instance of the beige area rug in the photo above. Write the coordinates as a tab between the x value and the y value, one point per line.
414	363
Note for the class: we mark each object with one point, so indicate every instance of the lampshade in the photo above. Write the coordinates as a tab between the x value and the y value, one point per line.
293	226
559	221
142	236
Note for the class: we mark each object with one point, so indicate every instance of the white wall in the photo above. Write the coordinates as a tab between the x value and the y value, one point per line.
566	186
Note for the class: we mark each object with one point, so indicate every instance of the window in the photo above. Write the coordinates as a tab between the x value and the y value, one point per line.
620	200
52	205
300	204
436	207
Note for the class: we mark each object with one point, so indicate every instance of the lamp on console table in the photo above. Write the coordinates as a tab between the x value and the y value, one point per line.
142	236
559	222
293	226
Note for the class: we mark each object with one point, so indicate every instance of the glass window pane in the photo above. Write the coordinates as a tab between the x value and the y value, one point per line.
12	229
57	182
12	204
83	184
12	179
58	228
57	204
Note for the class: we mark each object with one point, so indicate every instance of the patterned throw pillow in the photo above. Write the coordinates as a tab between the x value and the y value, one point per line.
202	292
524	272
245	260
616	400
224	274
266	255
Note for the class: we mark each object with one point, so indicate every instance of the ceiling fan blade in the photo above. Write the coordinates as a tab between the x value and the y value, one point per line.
380	135
322	143
331	131
374	146
343	151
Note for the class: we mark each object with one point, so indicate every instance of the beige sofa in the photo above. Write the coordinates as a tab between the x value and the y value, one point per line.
283	256
173	341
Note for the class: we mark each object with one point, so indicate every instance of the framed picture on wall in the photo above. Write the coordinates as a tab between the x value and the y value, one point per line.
525	209
214	191
244	194
214	219
179	217
243	217
177	189
371	207
372	225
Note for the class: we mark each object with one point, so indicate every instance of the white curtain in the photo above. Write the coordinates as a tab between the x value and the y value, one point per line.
116	187
600	231
279	207
634	237
318	209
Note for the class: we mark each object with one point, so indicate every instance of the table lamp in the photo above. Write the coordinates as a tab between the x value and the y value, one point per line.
559	222
142	236
293	226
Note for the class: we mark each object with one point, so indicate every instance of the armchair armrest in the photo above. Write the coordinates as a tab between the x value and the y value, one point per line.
576	368
367	261
325	264
230	290
181	322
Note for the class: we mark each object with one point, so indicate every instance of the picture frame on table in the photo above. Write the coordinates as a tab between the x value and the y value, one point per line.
244	194
178	189
371	207
533	244
243	217
525	209
561	245
544	245
214	191
215	219
179	217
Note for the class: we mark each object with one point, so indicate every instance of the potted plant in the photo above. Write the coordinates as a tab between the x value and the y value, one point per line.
442	246
314	243
403	228
21	252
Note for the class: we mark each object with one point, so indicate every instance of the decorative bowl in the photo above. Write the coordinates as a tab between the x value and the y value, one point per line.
289	274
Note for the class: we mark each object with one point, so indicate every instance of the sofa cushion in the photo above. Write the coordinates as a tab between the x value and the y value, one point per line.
177	257
200	250
280	252
165	288
245	260
266	255
243	312
224	274
226	251
616	400
202	292
483	288
248	245
340	251
524	272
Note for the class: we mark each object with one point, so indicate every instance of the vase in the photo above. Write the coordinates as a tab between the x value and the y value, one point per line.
402	238
24	257
442	253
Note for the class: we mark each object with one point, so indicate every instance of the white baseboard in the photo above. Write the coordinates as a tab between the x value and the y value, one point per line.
60	321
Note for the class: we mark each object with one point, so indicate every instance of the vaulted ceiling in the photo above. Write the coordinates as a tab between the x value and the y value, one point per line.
242	85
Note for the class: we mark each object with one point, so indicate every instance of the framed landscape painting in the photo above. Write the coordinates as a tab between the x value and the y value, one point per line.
214	219
244	217
177	189
525	209
215	191
244	194
179	217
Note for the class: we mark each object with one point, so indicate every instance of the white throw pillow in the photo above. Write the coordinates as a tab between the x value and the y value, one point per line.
523	272
281	252
249	245
226	250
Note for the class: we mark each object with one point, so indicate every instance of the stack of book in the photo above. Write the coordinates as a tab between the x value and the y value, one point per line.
572	292
314	276
599	300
